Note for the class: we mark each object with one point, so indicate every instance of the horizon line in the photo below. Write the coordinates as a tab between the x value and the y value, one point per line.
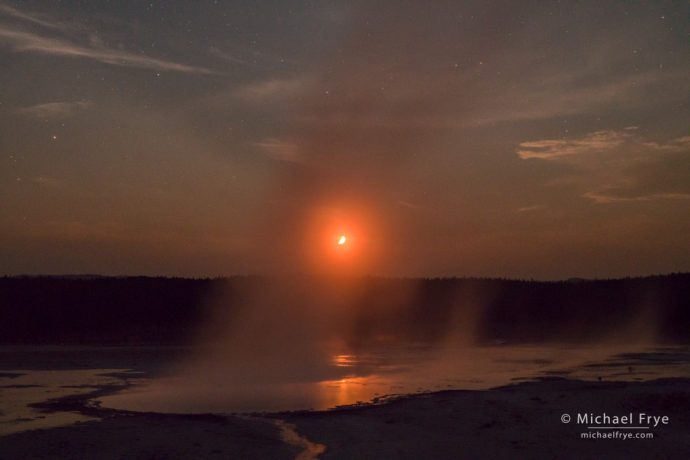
574	279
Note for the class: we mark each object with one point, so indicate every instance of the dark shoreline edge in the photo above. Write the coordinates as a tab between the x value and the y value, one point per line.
87	404
517	420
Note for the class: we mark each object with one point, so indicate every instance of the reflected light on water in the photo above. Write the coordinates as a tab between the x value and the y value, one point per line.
345	378
351	390
30	387
349	378
344	360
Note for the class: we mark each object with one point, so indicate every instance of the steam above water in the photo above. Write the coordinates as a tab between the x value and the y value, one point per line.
300	343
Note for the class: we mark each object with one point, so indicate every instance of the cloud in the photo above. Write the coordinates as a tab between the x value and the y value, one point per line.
617	166
407	204
251	56
53	43
21	41
676	145
55	109
549	149
32	18
280	150
535	207
264	94
271	89
598	142
226	56
564	95
603	198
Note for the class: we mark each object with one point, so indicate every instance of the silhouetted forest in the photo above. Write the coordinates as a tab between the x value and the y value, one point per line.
140	310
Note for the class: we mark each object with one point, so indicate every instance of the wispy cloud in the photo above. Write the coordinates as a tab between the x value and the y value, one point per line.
598	142
532	208
55	109
226	56
604	198
22	41
248	55
33	18
676	145
270	89
549	149
407	204
617	166
54	43
562	95
280	150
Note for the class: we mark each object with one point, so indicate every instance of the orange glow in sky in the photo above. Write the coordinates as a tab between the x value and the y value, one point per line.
341	239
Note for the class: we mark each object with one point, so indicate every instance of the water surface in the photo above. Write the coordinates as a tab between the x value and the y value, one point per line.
376	375
194	381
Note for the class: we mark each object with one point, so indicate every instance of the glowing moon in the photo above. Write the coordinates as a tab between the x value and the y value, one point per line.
342	240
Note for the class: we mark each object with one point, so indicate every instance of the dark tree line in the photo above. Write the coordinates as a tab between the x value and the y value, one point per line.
140	310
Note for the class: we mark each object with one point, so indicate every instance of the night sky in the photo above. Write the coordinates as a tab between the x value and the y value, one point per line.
544	139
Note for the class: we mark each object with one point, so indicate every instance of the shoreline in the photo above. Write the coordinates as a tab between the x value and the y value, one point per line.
519	419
